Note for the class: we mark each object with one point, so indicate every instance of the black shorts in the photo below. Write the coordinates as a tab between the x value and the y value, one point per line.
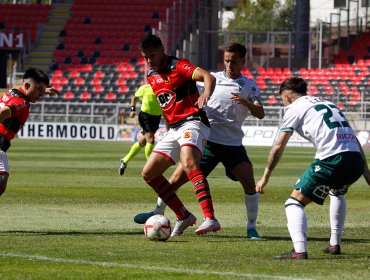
149	123
229	156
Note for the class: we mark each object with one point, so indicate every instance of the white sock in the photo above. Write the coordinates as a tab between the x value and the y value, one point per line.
251	204
337	217
297	224
161	206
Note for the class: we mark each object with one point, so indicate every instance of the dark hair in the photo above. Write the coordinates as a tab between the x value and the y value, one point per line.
236	48
36	75
295	84
150	41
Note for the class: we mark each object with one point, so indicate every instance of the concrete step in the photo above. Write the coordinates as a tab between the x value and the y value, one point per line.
53	27
43	67
47	41
41	54
57	20
38	60
61	7
50	33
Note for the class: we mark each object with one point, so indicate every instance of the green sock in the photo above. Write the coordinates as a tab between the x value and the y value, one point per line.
148	149
133	152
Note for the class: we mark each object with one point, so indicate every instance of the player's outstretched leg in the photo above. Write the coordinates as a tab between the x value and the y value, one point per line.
297	226
122	167
135	149
208	225
183	224
251	204
166	192
141	218
202	191
337	209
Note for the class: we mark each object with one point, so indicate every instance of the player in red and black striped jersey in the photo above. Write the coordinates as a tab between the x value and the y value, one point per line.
14	111
173	81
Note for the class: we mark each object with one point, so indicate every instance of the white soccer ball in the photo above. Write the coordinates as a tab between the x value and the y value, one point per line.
157	228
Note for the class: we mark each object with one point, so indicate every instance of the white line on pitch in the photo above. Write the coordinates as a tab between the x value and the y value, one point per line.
146	267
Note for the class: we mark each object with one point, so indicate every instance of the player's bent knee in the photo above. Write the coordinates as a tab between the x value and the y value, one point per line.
291	201
3	182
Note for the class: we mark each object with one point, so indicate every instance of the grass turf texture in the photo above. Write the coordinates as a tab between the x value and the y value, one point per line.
67	214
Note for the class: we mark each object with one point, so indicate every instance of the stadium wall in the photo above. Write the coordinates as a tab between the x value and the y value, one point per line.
253	135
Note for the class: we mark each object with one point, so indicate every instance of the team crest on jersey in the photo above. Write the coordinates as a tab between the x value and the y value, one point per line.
187	134
166	98
241	83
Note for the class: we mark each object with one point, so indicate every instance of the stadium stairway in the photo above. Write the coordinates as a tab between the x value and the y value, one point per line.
42	55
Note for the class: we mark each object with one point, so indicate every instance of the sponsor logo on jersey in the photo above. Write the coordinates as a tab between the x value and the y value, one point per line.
161	80
158	80
187	134
186	67
345	136
166	98
317	168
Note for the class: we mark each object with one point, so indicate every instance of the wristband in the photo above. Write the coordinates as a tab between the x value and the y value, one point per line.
133	108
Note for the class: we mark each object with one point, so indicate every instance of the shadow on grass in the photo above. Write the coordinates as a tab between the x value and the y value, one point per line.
26	232
282	238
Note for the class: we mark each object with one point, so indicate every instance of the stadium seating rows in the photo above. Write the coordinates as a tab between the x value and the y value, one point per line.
98	60
24	17
358	52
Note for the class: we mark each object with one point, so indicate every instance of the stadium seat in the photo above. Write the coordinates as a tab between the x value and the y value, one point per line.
98	89
272	100
85	96
110	96
68	96
79	81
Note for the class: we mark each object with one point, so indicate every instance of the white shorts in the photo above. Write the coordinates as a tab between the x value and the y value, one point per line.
4	166
191	133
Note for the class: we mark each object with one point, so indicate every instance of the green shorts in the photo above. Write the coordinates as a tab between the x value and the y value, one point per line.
229	156
335	173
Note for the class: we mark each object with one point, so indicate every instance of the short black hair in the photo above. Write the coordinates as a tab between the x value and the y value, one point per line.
295	84
150	41
36	75
236	48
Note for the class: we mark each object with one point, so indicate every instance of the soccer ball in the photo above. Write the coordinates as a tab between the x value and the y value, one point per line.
157	228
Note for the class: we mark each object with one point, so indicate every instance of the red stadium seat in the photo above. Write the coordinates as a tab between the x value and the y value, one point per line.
272	100
98	89
110	96
74	74
123	89
68	96
85	96
99	74
79	81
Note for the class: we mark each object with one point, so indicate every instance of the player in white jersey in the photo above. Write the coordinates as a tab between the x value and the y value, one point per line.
338	163
233	98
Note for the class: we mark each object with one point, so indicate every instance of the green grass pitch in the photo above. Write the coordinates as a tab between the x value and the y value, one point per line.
67	214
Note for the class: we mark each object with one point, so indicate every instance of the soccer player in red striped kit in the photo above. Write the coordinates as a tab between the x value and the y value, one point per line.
173	81
14	111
